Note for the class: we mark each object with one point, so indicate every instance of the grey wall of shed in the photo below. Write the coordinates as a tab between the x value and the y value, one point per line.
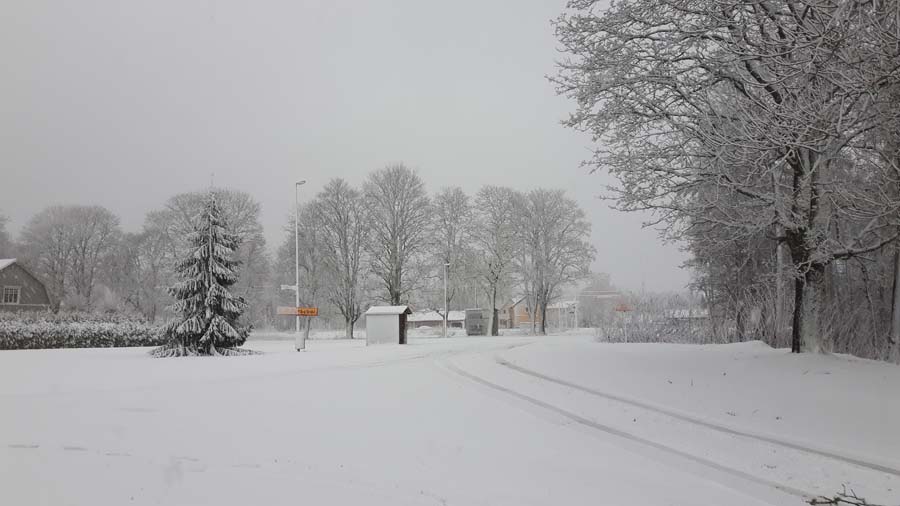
382	329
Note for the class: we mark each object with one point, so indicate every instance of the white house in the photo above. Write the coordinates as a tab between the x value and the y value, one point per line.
433	319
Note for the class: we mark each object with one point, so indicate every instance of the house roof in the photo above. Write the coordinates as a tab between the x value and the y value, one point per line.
563	304
434	316
513	302
600	294
389	310
6	262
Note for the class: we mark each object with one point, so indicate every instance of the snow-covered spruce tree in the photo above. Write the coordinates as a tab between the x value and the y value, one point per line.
209	312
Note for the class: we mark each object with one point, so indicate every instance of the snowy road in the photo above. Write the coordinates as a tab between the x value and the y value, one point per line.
436	422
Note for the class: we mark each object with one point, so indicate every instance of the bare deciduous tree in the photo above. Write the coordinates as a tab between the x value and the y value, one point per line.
554	237
341	217
6	244
494	235
399	216
93	233
45	245
66	246
450	244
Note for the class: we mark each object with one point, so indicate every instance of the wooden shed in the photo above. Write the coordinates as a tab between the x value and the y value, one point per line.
19	289
386	324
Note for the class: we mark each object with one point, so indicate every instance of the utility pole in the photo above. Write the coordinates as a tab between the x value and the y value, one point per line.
299	339
446	299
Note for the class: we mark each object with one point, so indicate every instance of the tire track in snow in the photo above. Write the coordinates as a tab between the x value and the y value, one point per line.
591	424
699	421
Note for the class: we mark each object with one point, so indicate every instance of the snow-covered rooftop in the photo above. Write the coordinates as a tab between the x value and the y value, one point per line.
433	316
388	310
600	294
6	262
563	304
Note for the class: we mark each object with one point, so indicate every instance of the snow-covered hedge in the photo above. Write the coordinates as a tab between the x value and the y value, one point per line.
29	331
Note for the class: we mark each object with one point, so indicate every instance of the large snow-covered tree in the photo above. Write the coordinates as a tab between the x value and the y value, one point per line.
174	223
209	312
399	215
756	118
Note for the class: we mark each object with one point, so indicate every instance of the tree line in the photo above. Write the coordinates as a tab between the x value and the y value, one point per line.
766	137
387	241
390	242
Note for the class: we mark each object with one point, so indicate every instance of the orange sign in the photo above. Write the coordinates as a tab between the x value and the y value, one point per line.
624	308
298	311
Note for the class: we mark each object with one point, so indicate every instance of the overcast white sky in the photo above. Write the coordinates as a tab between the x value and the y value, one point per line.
124	104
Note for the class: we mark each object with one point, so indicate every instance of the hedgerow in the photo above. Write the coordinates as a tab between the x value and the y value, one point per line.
42	330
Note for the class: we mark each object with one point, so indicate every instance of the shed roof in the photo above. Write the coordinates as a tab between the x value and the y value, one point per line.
6	262
389	310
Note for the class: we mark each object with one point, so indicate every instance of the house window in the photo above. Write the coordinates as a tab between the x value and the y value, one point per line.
10	294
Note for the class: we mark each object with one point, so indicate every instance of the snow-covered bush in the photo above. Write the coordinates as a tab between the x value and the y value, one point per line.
29	331
664	318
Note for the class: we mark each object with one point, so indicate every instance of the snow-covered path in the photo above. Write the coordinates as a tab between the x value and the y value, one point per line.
342	424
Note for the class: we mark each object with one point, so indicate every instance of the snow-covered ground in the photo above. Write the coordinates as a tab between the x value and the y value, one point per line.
482	421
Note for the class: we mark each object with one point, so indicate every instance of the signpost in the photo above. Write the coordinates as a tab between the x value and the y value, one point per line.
297	311
300	339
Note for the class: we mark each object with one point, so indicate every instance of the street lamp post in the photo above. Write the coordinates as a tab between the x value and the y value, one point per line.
299	339
446	300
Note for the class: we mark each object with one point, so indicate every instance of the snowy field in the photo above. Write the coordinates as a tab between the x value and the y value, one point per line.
467	421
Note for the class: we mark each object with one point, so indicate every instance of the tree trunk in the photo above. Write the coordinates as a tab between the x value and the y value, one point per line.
798	307
778	324
543	305
807	333
492	322
895	311
348	328
740	323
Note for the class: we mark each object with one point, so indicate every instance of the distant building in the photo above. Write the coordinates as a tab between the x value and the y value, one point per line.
597	307
587	309
433	319
19	289
562	314
516	314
